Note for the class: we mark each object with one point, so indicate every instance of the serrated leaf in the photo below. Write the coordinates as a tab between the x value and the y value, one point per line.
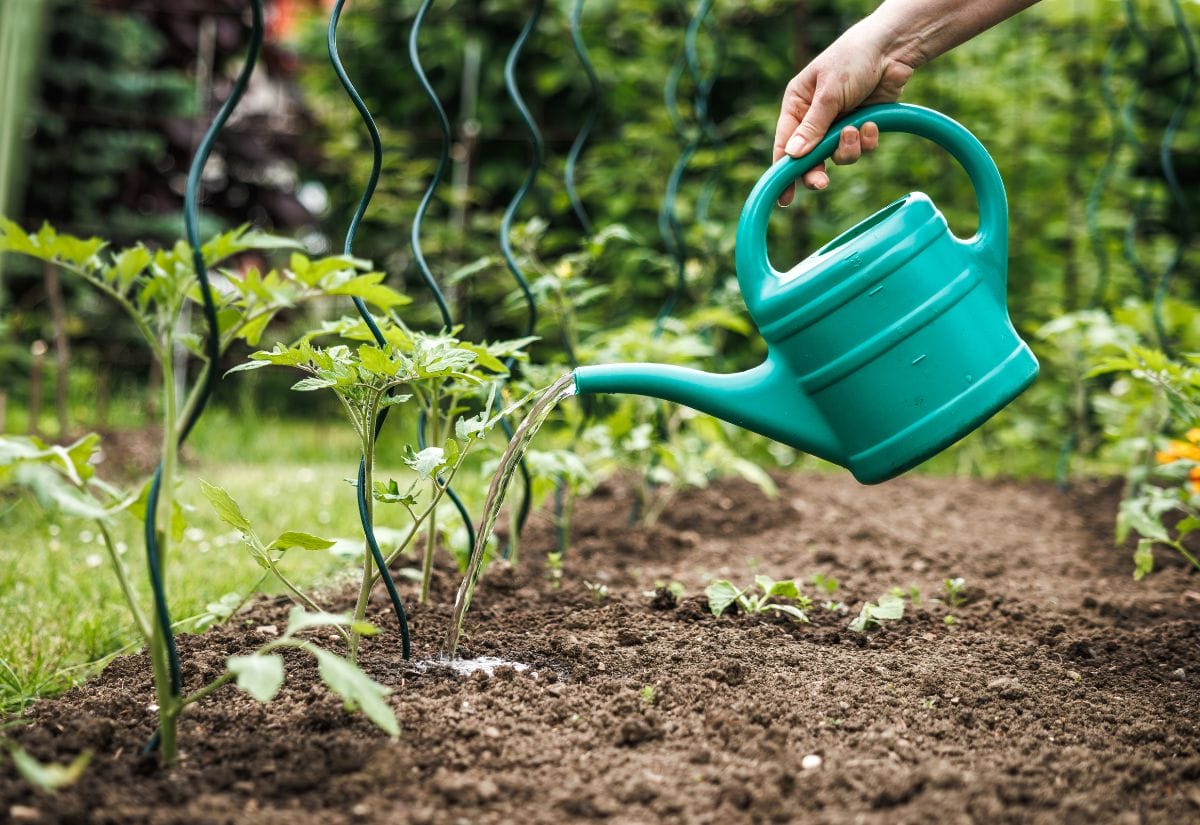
310	384
305	541
394	400
1143	559
259	675
426	462
252	332
227	509
357	689
249	365
137	509
721	594
128	264
301	619
376	361
485	359
48	776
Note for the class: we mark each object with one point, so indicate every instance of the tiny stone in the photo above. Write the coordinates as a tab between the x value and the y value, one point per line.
491	732
267	630
811	762
361	809
1073	675
24	813
1178	674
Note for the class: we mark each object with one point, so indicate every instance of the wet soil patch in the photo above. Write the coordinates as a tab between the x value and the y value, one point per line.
1063	692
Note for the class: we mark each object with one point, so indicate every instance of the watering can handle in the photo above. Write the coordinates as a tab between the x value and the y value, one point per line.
991	240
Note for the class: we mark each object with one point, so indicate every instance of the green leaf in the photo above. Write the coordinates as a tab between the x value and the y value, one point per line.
259	675
178	522
376	361
304	541
48	777
225	506
249	365
427	461
252	332
890	608
485	359
788	610
721	594
1143	559
128	264
357	688
1187	526
369	288
301	619
785	589
310	384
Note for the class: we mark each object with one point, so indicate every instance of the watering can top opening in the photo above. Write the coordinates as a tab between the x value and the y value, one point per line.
887	344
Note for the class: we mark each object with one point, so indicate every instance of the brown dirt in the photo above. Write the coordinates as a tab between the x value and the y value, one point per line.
1065	692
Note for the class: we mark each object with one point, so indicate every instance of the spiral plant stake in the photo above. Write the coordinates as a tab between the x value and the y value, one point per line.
168	674
538	148
414	56
363	481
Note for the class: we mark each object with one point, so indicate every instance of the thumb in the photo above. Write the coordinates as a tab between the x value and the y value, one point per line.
814	126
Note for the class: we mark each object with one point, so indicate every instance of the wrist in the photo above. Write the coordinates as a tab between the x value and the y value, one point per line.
900	35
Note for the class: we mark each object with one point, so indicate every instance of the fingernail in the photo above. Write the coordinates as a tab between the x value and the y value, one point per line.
781	203
821	183
795	145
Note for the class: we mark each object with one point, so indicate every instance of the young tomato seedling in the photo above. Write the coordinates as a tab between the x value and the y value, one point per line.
153	287
442	377
889	609
765	596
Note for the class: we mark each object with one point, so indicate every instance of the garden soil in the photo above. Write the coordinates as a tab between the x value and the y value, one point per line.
1062	692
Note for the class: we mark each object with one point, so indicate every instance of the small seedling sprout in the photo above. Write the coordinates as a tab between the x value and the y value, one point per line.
890	608
599	592
765	595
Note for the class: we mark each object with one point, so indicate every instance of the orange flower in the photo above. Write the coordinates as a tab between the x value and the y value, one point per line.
1194	477
1193	435
1180	450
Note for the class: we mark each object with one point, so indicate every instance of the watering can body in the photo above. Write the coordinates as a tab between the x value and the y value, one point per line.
886	345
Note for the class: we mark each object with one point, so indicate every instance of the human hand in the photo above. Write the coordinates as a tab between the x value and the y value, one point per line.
855	70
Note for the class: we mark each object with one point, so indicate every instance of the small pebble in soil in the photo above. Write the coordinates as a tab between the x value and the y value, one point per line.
1178	674
811	762
267	630
24	813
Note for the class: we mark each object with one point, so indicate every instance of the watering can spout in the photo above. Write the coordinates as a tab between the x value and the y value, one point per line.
766	399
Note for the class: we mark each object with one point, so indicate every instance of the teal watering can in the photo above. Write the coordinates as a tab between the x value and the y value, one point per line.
886	345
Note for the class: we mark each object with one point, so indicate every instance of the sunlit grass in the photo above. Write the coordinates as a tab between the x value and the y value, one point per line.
60	602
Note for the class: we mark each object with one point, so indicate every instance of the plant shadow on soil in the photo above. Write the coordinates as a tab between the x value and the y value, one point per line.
1056	697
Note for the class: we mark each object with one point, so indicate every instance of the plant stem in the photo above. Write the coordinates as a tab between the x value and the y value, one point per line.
139	618
430	543
168	702
213	686
368	577
412	530
298	594
431	532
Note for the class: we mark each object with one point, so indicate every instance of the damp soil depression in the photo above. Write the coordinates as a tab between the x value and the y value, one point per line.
1064	692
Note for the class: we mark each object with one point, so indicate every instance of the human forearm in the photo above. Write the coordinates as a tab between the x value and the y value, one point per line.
916	31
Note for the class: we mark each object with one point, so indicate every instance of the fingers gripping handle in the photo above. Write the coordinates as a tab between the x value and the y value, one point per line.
753	265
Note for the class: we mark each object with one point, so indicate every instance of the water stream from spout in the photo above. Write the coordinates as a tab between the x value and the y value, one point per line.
517	446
